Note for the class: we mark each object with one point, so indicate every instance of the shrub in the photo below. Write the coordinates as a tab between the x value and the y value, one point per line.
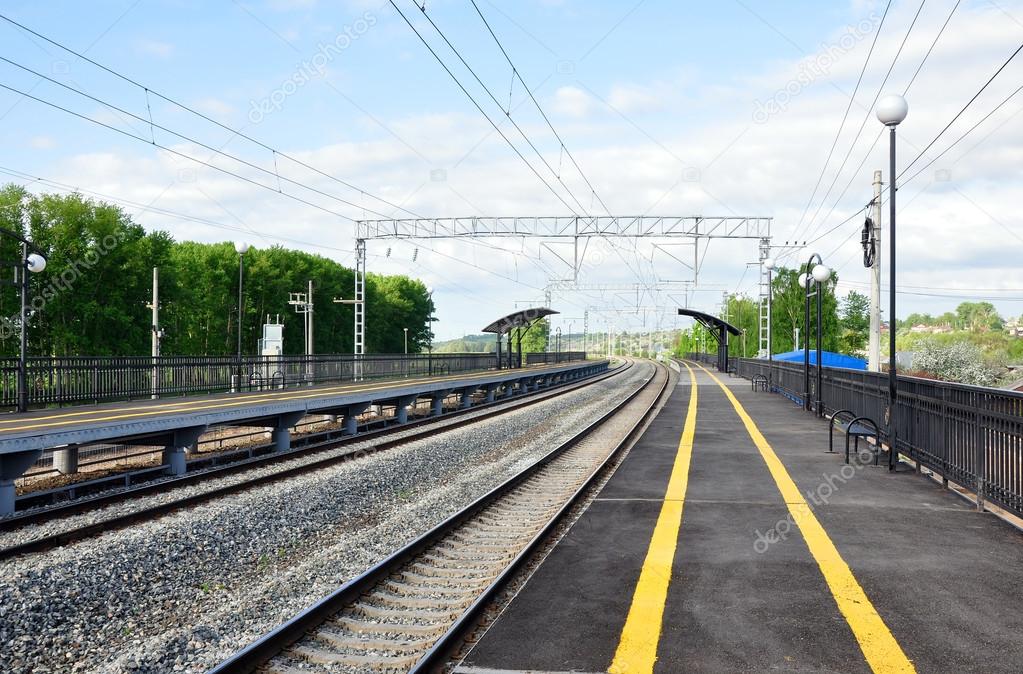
960	362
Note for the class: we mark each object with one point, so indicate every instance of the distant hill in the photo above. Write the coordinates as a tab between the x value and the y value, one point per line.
467	344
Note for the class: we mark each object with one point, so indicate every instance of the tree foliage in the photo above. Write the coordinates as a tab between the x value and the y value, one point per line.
93	297
787	313
855	323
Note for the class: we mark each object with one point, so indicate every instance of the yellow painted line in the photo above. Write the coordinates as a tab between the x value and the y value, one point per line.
881	650
637	647
205	406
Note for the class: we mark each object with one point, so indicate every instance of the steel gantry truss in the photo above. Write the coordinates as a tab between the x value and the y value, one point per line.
691	228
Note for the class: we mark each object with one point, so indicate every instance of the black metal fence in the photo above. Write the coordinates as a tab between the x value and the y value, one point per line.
554	357
969	435
64	381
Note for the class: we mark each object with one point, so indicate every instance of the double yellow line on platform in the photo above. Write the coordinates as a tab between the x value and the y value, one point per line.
637	648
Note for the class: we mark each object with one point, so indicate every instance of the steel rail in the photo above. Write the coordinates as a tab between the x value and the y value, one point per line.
432	426
261	651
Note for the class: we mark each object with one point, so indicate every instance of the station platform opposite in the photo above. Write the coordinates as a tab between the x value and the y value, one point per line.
730	540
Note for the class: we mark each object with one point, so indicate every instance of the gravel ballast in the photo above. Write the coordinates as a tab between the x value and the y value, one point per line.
185	591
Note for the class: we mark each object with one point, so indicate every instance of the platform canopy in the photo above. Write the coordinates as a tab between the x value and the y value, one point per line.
712	323
520	319
719	328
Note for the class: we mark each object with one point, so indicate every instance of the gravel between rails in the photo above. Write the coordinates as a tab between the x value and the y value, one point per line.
185	591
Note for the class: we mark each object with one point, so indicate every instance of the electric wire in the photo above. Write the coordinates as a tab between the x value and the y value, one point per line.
209	119
189	139
964	108
841	126
479	107
174	152
517	74
866	117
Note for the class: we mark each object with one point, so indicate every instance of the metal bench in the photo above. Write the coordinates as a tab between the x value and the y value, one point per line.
855	427
760	382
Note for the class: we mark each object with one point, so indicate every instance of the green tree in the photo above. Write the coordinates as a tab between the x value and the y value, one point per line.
744	313
787	312
979	317
855	323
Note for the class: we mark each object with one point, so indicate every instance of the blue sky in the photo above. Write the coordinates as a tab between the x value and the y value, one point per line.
657	100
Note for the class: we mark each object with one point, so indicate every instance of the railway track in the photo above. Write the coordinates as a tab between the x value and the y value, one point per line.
422	429
407	613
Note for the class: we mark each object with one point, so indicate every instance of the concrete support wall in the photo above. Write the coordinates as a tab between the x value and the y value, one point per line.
401	410
13	466
65	460
352	413
174	453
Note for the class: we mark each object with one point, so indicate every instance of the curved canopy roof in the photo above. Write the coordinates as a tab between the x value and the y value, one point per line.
712	323
519	319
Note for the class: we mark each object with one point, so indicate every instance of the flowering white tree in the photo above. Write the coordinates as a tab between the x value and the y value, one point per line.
960	362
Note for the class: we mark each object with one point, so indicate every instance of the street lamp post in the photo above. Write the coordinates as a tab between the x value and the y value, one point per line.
818	273
891	111
557	347
33	262
241	248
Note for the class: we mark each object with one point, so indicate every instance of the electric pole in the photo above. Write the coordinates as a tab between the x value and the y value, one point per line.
874	346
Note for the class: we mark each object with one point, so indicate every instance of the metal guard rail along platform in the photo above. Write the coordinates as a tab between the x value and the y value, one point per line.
81	380
178	425
969	435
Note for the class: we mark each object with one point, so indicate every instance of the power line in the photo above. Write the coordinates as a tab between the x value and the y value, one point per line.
152	141
479	107
209	119
905	91
845	116
21	175
967	133
518	75
959	114
174	152
863	124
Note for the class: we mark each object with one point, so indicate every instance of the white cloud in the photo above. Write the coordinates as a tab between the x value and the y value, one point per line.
572	102
154	48
42	142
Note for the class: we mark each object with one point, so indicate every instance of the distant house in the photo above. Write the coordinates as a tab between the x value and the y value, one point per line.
1014	328
931	329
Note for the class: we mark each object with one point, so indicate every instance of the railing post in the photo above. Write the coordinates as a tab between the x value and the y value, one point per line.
980	460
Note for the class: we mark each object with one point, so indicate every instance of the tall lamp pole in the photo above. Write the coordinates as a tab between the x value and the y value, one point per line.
891	111
769	265
818	273
33	262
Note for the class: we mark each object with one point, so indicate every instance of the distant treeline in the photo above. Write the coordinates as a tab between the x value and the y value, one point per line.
92	299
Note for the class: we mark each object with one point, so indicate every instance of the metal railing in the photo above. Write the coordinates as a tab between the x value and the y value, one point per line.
68	381
554	357
969	435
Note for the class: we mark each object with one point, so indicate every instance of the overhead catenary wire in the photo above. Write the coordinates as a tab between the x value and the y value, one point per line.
173	151
152	140
479	107
841	126
149	90
866	117
880	133
962	110
517	74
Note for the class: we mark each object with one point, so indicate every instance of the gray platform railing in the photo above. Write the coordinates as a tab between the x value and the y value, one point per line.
969	435
82	380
